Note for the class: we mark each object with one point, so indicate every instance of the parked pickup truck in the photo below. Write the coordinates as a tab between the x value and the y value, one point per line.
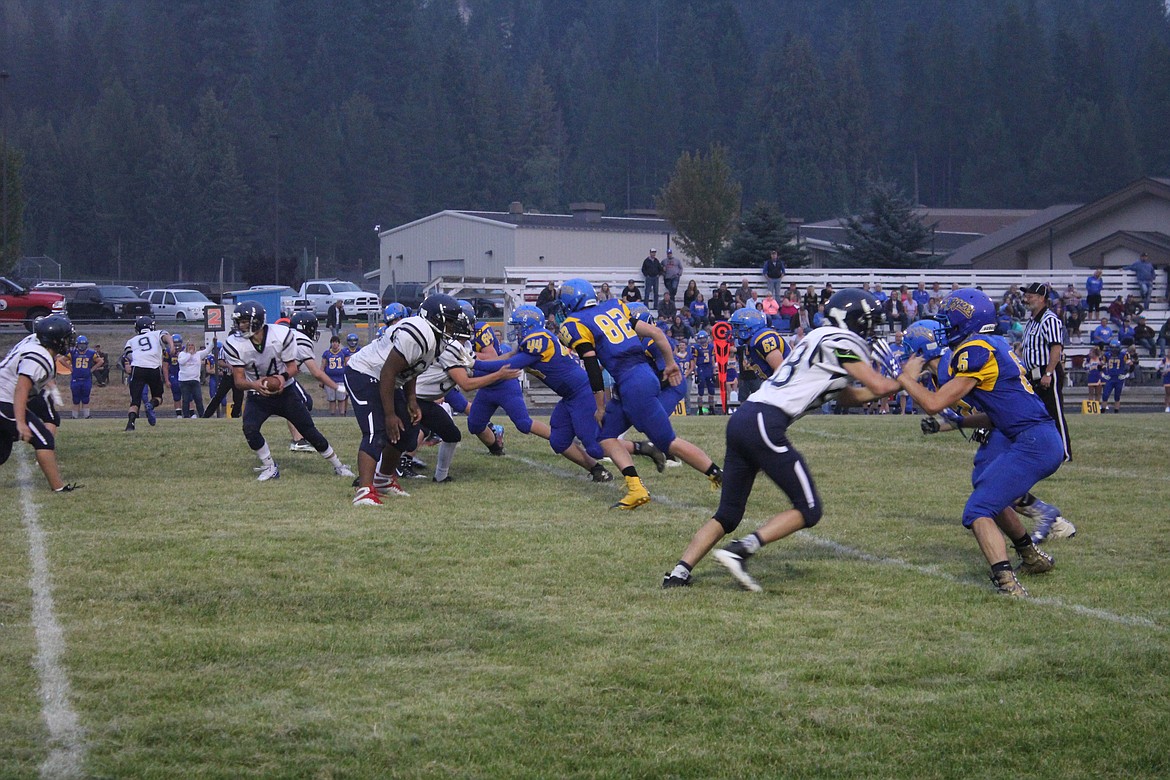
355	301
20	305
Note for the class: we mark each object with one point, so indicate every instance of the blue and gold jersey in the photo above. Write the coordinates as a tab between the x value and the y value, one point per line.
485	340
1001	391
333	363
540	354
762	344
81	363
608	330
703	359
1115	364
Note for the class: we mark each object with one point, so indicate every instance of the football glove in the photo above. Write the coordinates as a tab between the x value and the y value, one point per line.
888	362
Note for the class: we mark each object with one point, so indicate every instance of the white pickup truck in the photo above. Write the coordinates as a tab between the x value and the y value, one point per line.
355	301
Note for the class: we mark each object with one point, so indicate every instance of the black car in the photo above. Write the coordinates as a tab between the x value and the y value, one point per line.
409	294
105	302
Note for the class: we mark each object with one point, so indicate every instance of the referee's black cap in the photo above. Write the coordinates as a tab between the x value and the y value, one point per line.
1037	288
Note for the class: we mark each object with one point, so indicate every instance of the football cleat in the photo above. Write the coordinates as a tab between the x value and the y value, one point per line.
406	468
1062	529
150	418
672	462
343	471
367	496
445	479
1034	561
669	580
417	462
392	488
636	495
600	473
301	445
734	557
1006	584
267	473
498	430
653	453
130	425
68	487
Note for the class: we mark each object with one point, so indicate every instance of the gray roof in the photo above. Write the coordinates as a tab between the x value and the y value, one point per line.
578	221
965	254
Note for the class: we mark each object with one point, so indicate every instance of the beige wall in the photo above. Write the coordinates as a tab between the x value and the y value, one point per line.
1145	214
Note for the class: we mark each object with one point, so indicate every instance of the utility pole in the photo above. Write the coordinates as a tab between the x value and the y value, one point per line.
4	152
276	210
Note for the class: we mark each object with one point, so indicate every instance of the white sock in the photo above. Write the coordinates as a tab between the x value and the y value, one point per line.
680	571
265	456
331	456
443	461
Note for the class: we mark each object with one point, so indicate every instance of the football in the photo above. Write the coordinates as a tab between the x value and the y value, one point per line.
272	383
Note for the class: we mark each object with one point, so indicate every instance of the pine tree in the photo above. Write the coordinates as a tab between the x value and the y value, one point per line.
762	229
887	235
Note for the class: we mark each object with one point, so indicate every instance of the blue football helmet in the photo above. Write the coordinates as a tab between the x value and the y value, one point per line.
525	320
82	342
468	309
747	322
639	311
965	313
380	332
352	341
576	294
394	312
926	338
177	340
1115	345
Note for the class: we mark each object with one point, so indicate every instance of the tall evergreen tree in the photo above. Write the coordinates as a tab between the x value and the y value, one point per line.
888	234
761	229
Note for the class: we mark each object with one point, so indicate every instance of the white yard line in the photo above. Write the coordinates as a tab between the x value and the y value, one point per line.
845	551
66	737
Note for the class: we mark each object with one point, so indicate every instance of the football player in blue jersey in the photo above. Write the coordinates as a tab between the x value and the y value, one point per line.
762	347
984	372
506	394
81	359
928	339
604	334
333	362
1115	367
703	360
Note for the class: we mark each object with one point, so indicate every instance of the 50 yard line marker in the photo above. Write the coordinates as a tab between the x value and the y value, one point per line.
66	737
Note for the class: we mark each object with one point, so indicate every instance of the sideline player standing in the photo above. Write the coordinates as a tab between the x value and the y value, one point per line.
820	368
380	380
81	363
24	373
258	352
145	353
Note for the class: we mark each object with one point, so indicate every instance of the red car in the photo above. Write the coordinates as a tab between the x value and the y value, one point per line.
20	305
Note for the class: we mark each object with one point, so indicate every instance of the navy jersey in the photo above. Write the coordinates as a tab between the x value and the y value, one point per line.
760	345
608	330
81	363
1001	389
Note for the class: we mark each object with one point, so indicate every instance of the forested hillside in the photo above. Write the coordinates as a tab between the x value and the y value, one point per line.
171	134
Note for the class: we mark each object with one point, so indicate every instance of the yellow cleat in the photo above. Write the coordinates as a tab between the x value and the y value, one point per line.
636	495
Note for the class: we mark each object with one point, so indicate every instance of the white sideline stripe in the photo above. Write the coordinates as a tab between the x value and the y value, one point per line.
929	571
66	737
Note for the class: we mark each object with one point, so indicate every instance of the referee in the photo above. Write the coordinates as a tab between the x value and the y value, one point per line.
1044	357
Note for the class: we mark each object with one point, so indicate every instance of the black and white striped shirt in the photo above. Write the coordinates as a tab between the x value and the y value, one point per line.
1039	335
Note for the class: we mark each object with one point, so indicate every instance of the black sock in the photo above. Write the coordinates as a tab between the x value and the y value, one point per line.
133	416
1027	500
629	471
1023	542
713	470
1001	566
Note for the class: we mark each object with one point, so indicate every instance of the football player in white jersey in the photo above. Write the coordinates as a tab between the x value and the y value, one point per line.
264	361
822	367
380	380
145	353
304	325
24	373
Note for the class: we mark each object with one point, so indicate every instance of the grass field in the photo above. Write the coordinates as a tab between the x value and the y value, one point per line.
509	625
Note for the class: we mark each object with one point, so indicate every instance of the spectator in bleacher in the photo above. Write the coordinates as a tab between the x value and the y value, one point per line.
754	301
603	293
1004	321
1093	286
790	314
1133	307
931	308
1116	310
1102	334
771	308
827	292
936	291
721	302
666	307
700	314
909	307
1144	336
743	294
774	270
810	301
1163	337
1125	332
651	272
818	318
547	297
680	329
691	293
672	269
1073	313
920	296
791	291
1143	271
631	293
